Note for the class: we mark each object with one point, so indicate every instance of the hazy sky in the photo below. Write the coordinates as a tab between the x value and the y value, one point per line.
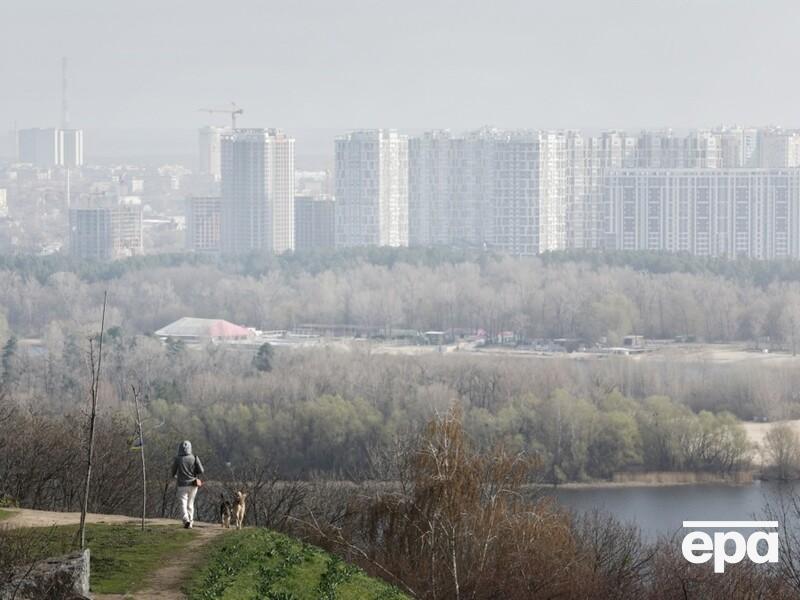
406	63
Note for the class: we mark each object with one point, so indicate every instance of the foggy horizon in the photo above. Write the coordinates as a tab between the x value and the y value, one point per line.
514	65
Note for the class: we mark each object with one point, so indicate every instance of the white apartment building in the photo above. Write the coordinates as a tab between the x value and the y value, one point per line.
71	147
738	146
257	191
446	199
525	191
50	147
507	190
706	212
372	189
778	149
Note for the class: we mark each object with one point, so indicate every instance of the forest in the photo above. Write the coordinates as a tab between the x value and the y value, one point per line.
341	446
594	297
331	413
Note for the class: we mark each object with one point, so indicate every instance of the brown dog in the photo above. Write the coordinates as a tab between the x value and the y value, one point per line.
239	508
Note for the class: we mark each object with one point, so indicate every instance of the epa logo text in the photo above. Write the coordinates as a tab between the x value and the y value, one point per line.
700	547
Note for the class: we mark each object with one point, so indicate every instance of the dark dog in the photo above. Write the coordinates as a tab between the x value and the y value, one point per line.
225	512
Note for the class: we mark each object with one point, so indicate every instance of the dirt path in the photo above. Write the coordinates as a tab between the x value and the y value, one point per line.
163	583
24	517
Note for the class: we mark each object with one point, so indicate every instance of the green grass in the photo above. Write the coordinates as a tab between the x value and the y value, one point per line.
258	563
5	514
122	555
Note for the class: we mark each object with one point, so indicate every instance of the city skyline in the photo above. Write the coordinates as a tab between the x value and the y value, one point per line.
518	192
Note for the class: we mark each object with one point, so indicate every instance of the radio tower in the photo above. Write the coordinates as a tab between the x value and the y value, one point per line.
64	105
65	125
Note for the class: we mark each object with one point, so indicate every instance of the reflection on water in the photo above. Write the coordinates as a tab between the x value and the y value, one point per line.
661	510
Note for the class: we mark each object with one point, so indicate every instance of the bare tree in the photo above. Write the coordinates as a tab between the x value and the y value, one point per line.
140	436
95	372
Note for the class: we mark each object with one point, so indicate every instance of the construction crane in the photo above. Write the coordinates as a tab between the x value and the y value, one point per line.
232	111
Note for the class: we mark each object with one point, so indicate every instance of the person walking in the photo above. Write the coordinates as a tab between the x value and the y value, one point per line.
187	468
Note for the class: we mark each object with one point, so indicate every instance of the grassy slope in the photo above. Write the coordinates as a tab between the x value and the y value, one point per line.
259	563
4	514
121	554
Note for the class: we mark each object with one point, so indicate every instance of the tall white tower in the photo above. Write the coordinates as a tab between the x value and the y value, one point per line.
372	189
257	184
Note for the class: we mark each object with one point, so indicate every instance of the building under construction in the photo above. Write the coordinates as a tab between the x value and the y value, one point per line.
106	229
203	215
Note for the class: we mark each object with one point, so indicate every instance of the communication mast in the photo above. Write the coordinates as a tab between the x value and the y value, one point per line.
64	104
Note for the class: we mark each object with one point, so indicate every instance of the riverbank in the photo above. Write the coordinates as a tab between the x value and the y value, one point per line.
659	479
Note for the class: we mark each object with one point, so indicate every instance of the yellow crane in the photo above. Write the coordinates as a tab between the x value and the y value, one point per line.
232	111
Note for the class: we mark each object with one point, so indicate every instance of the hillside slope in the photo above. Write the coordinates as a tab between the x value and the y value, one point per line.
168	562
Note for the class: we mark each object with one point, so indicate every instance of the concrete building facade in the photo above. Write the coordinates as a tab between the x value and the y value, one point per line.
257	190
71	148
371	170
203	217
314	223
106	229
446	195
753	213
39	147
50	147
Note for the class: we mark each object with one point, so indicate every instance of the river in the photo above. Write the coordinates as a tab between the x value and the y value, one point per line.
661	510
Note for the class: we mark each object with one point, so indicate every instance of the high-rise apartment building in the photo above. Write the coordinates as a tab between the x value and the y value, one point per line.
707	212
314	223
527	192
50	147
445	195
702	150
507	190
372	189
203	217
525	187
738	147
71	147
106	229
40	147
664	149
257	190
778	148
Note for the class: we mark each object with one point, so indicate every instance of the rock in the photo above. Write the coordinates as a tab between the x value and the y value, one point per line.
62	578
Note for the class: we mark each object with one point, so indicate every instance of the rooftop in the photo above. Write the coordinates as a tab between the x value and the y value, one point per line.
192	327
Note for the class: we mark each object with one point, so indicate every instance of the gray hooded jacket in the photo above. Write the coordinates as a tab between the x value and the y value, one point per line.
186	466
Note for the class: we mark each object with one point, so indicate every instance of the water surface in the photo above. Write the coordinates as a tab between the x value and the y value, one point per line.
658	510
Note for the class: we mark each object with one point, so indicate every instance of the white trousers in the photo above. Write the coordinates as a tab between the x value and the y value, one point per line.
186	496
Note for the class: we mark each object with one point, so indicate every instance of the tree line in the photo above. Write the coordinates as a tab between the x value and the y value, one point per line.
331	412
593	297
